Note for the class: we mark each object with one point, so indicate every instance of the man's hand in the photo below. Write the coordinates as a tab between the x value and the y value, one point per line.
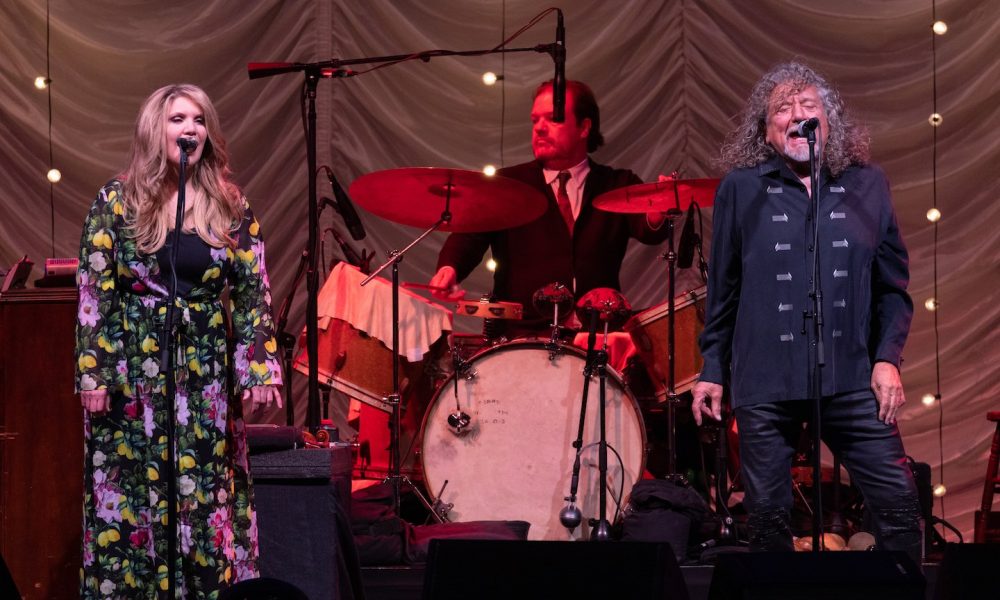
446	282
888	390
95	401
262	396
706	398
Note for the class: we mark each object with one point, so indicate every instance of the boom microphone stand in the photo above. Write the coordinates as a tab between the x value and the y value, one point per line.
334	68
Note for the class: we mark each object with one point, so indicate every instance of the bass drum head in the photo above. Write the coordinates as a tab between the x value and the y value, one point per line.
515	460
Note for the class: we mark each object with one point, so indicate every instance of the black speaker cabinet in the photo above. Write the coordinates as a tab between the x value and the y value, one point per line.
968	571
302	499
487	569
816	576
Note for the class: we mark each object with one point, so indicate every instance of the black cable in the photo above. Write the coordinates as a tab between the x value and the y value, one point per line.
621	483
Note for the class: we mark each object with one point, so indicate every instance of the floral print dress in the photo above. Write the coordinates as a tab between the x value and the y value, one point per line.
121	311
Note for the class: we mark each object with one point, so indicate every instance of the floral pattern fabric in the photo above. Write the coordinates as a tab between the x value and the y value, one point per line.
122	307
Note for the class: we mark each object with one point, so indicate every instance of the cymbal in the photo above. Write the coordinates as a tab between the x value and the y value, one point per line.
416	196
659	196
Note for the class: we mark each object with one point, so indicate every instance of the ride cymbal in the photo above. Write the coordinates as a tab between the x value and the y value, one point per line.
416	196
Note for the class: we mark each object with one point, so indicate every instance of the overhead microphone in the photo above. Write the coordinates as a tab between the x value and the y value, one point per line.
807	126
187	144
559	80
345	208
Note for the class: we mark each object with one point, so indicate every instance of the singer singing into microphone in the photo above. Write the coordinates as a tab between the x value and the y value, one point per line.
572	242
123	284
755	340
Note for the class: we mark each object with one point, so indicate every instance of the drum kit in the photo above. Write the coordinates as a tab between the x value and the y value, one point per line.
499	438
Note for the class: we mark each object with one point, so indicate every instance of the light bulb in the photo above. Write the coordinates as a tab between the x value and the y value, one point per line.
935	119
489	170
931	304
490	78
940	27
491	265
41	82
933	215
940	490
54	175
928	399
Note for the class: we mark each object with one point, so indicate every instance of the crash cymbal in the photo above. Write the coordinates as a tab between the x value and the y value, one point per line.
416	196
659	196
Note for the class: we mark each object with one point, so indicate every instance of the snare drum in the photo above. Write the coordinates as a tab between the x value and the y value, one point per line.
515	460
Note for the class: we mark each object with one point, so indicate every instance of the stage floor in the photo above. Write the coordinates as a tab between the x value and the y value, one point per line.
406	582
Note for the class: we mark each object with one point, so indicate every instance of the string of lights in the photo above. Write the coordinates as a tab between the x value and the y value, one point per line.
935	120
44	82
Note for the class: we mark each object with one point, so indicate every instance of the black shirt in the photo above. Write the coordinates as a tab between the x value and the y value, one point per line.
759	279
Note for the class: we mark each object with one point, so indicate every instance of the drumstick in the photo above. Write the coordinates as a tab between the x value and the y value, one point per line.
423	286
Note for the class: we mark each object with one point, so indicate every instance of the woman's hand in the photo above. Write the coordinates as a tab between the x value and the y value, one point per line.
95	401
262	396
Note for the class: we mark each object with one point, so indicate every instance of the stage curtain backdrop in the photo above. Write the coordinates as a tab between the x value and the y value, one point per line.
670	76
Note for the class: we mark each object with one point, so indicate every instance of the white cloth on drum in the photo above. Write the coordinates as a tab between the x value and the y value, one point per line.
369	309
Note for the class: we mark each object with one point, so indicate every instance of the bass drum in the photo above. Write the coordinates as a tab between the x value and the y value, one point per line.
515	459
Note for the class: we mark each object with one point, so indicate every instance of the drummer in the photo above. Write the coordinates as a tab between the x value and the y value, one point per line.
572	242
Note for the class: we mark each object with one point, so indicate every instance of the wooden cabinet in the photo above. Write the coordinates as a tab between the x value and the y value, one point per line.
41	443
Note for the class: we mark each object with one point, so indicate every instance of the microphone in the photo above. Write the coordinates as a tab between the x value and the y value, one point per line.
570	516
559	80
345	208
350	254
187	144
806	127
688	241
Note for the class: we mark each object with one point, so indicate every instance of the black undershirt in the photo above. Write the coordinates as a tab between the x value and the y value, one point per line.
193	257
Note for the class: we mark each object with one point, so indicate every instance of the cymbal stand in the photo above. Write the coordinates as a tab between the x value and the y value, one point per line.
671	258
395	477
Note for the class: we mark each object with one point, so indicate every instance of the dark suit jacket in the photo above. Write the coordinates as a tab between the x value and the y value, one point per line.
542	252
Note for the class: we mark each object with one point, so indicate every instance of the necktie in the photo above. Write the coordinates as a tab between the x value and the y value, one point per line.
562	199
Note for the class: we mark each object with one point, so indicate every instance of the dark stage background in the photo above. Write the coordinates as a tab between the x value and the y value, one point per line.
670	77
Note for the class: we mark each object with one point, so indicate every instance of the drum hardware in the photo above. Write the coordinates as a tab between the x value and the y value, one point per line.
671	196
606	305
459	420
442	508
422	197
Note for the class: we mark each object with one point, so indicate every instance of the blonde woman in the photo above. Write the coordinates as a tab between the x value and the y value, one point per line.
123	281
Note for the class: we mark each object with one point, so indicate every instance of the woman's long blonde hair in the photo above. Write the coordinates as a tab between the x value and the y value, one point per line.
218	211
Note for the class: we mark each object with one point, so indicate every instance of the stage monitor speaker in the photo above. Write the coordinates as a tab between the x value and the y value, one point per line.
968	571
816	576
488	569
302	500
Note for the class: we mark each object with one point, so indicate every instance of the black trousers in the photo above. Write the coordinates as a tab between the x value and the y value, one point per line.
871	451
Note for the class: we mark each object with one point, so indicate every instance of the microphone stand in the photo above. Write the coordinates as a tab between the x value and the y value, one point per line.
167	358
287	340
570	516
328	69
816	355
